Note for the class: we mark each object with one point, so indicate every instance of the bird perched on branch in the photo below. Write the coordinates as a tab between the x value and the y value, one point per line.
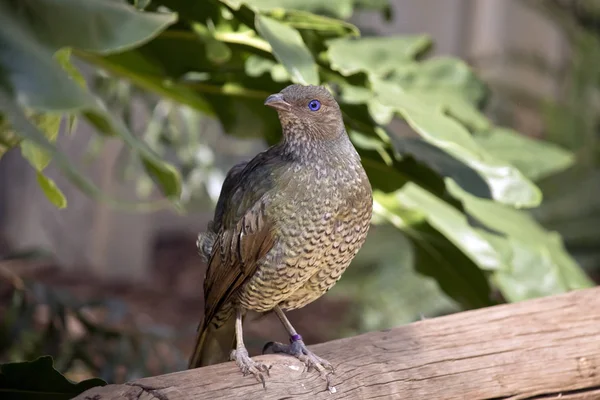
286	226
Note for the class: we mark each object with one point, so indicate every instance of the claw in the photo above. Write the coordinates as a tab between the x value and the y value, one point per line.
299	350
248	366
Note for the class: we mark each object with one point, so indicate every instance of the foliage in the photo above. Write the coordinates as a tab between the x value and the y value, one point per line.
450	187
570	118
39	380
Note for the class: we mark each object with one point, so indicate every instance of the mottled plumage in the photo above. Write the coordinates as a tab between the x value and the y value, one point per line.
287	223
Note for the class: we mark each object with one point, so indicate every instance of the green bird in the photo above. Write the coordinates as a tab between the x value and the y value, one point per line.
286	226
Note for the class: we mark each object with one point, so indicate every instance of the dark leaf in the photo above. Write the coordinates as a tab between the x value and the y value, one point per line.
32	380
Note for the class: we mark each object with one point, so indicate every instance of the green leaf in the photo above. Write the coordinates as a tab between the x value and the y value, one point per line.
165	176
382	276
39	158
536	262
39	82
506	183
28	131
452	224
32	74
39	380
52	192
257	66
8	137
435	255
63	56
454	272
49	124
303	20
378	56
94	25
517	149
339	8
442	164
289	49
441	76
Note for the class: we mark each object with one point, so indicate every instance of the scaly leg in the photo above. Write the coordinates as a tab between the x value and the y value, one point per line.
298	349
240	354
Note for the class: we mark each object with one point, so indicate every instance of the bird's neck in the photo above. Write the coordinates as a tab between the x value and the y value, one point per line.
304	144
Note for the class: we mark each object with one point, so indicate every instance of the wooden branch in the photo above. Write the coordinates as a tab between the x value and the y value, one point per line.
540	349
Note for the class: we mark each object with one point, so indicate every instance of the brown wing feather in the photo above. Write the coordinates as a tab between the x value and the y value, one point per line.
235	257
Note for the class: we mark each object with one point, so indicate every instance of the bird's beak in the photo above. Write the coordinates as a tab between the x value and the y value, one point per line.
277	102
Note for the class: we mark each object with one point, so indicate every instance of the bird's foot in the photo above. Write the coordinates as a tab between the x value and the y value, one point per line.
298	349
248	366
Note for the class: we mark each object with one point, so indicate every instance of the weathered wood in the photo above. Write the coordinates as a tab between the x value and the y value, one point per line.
544	348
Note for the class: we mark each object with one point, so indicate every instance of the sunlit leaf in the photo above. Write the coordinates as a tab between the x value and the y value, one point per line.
517	149
49	124
52	192
538	264
63	56
378	56
451	223
435	256
507	184
289	49
339	8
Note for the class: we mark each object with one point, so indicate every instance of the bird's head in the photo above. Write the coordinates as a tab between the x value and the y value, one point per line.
310	108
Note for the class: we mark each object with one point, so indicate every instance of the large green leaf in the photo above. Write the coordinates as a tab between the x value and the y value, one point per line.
507	184
442	163
525	261
448	84
536	262
31	72
439	76
289	49
95	25
517	149
435	255
377	56
451	223
33	77
32	380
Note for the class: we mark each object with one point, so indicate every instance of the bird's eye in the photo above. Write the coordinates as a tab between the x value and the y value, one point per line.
314	105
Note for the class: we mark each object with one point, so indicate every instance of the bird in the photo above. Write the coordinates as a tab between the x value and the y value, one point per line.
286	225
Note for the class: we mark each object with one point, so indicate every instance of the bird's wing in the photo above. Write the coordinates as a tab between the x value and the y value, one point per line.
245	233
235	257
233	177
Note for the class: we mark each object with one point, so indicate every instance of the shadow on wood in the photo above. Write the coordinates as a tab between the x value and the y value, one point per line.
540	349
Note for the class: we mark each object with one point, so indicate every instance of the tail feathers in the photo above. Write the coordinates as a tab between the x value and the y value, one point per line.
213	345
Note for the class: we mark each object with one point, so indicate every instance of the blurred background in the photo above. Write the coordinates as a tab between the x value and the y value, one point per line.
116	292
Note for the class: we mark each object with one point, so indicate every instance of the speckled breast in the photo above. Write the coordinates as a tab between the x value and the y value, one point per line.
321	224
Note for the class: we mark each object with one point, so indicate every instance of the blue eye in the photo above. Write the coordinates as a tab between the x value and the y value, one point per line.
314	105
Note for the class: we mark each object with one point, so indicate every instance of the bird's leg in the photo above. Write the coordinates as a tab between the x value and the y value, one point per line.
298	349
240	354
